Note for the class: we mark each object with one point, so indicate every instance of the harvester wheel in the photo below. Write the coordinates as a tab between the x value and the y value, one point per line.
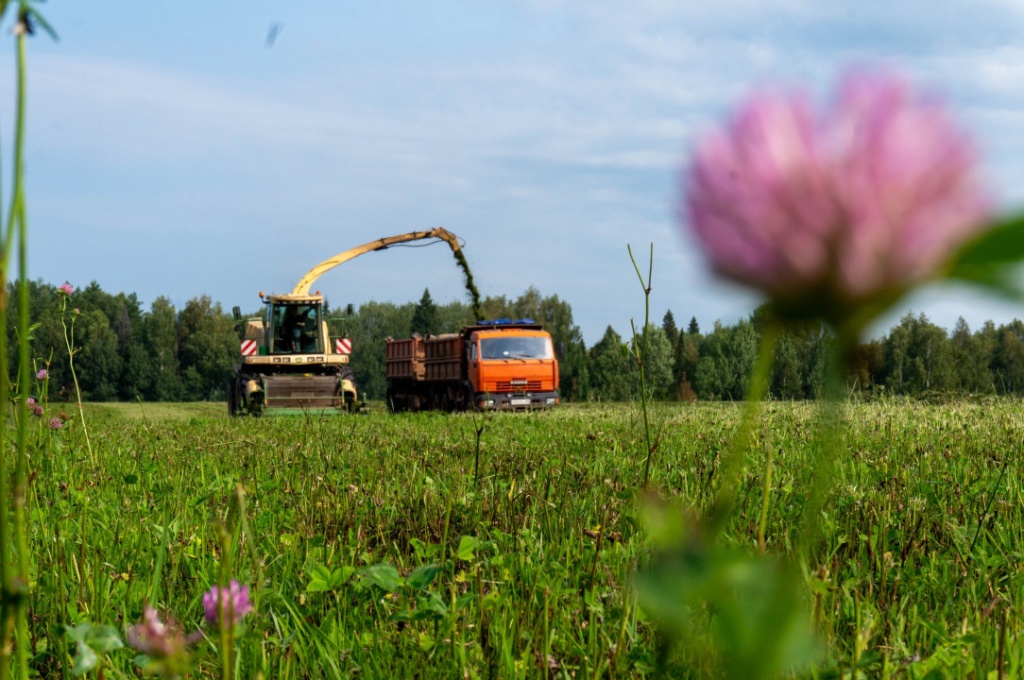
232	398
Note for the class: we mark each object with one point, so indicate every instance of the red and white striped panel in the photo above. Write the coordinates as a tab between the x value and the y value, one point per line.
343	346
249	348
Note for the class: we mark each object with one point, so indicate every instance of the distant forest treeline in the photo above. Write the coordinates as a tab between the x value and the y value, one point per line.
123	352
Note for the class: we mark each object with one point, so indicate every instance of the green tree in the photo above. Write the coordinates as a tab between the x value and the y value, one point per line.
727	356
497	307
369	328
686	359
1008	360
972	358
919	357
668	324
867	365
610	368
787	369
159	340
207	348
97	362
555	315
694	327
424	317
897	356
453	316
657	364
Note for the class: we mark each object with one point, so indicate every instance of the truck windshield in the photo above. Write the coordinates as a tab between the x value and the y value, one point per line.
523	347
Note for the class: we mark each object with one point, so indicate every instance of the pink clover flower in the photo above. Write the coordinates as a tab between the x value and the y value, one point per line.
831	212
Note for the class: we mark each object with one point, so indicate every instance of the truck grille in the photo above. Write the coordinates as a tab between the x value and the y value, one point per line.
517	386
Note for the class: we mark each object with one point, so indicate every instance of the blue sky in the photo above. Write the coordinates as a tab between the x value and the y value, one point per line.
175	150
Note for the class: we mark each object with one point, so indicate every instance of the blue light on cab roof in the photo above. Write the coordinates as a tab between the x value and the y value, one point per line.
504	322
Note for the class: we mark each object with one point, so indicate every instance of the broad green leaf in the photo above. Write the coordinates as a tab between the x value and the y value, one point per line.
467	548
85	659
435	604
104	639
78	633
319	580
992	259
422	577
90	642
384	576
322	578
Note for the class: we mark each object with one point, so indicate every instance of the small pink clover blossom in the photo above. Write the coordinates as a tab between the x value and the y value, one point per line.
55	423
66	289
31	401
153	637
41	374
229	603
37	411
159	640
831	213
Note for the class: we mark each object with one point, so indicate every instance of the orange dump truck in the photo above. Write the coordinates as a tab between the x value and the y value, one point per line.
500	364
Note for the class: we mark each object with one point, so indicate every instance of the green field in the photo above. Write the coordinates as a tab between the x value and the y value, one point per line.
507	545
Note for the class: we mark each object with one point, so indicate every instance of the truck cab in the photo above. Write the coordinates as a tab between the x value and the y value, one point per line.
510	364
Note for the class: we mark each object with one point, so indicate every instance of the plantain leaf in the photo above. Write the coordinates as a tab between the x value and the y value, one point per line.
423	576
468	546
384	576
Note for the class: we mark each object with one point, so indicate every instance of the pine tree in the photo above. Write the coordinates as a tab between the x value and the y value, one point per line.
424	318
668	324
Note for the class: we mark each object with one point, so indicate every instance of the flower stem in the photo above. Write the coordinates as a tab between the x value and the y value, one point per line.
69	341
829	438
732	463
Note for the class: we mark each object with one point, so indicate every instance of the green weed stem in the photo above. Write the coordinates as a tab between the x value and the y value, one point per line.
640	354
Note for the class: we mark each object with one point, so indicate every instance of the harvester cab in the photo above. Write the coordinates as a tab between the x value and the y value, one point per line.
289	364
294	326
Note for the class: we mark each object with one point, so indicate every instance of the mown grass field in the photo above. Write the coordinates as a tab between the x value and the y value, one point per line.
506	545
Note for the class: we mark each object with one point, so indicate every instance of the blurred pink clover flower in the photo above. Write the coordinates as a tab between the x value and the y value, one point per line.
835	213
